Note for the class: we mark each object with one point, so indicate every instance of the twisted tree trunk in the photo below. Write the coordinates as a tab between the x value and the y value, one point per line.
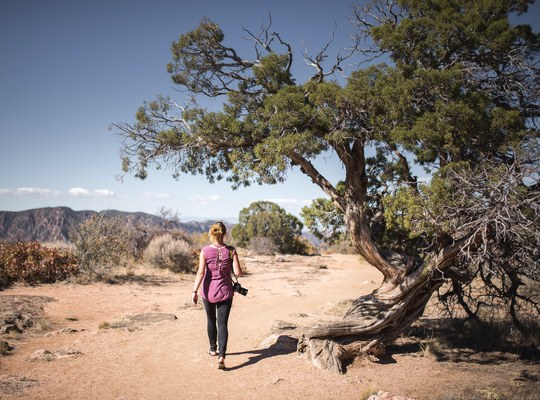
371	322
376	319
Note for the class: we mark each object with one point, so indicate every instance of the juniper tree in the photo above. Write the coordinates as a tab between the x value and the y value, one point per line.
457	96
264	219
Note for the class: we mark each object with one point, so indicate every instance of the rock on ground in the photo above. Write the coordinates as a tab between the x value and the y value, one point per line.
381	395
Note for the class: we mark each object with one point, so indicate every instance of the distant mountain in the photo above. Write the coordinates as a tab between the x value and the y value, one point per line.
51	224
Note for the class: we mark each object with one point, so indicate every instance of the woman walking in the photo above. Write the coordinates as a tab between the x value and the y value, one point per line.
216	262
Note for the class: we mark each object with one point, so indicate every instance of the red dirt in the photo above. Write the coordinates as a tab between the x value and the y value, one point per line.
169	360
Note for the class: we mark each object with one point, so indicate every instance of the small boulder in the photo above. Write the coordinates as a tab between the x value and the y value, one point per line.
280	343
5	347
382	395
279	326
46	355
14	322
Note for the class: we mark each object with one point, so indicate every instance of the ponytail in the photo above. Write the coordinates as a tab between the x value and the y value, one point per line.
217	231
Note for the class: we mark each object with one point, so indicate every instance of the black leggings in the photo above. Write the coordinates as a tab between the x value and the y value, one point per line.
218	313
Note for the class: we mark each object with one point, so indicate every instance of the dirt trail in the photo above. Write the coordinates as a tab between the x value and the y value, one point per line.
103	356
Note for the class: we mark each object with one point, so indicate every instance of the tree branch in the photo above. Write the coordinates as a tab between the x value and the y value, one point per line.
317	178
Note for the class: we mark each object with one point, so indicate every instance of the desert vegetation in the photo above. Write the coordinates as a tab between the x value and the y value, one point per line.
32	263
100	246
105	243
167	252
266	228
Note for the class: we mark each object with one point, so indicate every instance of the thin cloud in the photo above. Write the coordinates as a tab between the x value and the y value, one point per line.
30	191
82	192
157	196
205	200
104	193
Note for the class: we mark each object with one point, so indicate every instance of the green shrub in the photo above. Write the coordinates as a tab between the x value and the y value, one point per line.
32	263
166	252
268	220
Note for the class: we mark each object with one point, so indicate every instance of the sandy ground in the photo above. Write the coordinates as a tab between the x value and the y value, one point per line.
101	357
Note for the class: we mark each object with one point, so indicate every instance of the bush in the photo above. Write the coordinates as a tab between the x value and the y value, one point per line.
263	246
101	243
341	247
166	252
199	240
32	263
267	219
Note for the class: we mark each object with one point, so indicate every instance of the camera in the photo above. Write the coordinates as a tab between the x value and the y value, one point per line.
239	289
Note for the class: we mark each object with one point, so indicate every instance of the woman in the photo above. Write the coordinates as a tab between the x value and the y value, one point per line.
216	262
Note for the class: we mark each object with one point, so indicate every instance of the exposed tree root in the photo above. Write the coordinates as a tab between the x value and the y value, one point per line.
372	321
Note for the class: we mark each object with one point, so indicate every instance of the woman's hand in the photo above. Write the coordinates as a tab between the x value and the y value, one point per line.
194	298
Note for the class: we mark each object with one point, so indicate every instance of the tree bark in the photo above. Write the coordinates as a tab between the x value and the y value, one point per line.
372	321
377	319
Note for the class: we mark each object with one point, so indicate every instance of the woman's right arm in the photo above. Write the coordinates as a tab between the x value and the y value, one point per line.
198	278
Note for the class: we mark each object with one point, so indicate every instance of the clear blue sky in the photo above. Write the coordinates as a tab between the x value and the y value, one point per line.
71	68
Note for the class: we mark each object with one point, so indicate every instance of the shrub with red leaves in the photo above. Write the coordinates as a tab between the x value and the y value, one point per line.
32	263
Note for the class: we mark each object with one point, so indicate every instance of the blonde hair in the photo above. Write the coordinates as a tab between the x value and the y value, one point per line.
217	231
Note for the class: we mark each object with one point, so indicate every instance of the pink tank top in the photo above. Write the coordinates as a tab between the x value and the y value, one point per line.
217	284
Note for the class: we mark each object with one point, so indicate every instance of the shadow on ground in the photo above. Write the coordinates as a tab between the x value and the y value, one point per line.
277	349
460	340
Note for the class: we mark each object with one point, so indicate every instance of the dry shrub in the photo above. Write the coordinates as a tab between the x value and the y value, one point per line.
305	247
263	246
338	309
367	392
60	245
102	243
43	325
166	252
199	240
143	235
342	247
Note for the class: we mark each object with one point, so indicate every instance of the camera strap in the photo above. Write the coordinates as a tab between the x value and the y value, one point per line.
232	269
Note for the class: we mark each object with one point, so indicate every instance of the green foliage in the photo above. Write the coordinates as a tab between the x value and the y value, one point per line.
219	67
442	31
186	56
403	219
31	263
271	72
324	220
264	219
454	95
